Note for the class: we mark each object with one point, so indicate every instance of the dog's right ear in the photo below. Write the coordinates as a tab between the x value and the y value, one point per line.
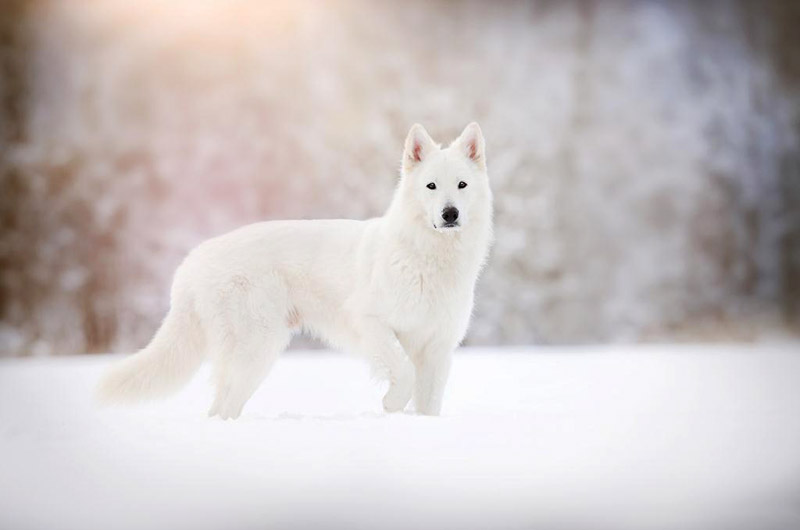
419	145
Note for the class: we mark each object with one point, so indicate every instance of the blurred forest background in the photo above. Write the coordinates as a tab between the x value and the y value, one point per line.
645	156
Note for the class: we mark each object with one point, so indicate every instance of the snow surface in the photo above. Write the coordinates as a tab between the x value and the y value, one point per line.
608	437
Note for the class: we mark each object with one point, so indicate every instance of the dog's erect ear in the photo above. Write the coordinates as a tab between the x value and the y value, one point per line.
418	146
472	145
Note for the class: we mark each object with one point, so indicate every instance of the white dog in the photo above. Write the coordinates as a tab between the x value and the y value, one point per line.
397	289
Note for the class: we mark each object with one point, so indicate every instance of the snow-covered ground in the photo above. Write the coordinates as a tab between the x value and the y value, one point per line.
611	437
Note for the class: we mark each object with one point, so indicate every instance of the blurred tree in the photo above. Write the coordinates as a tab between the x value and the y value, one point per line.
644	155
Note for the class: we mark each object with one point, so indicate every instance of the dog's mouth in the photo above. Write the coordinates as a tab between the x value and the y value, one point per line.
448	227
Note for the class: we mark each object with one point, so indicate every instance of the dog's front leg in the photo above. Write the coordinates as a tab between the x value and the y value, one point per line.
433	369
381	342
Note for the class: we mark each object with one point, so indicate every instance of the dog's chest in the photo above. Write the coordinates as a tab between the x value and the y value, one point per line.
428	292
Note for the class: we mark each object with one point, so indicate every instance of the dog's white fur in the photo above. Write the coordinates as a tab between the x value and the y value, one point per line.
397	289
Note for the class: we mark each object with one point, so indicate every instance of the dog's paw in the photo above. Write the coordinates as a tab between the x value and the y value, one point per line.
225	414
226	407
397	397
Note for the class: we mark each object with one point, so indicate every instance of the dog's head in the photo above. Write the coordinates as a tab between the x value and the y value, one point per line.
450	184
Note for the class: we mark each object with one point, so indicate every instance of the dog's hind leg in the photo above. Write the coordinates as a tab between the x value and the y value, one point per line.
248	338
242	370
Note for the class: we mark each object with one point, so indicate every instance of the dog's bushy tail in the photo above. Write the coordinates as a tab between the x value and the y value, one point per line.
163	367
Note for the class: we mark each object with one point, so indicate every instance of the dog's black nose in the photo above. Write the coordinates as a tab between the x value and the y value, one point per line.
450	214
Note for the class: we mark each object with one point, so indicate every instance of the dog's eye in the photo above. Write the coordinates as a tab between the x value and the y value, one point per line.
431	186
462	185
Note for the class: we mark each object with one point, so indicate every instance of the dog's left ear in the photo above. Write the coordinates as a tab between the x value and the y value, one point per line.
471	144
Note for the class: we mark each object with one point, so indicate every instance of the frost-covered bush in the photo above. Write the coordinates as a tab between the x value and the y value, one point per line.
644	155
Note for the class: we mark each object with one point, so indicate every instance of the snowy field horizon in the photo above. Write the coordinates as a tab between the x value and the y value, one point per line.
662	437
